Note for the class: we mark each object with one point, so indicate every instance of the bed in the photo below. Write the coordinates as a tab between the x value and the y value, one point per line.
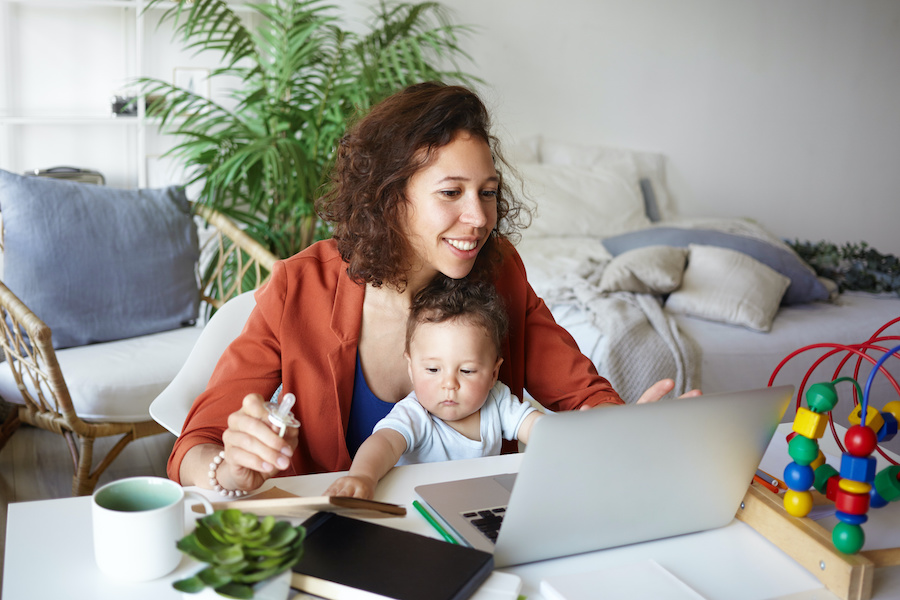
725	298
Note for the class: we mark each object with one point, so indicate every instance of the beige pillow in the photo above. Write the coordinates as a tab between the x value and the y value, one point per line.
728	286
647	270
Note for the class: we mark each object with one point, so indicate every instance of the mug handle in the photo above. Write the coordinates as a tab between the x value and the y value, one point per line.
207	505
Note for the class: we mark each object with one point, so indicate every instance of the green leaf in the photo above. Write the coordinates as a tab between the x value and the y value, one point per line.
190	585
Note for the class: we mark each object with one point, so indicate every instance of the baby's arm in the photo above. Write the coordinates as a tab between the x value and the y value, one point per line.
527	424
373	460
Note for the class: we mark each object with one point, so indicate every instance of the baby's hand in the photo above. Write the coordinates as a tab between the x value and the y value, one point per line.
351	485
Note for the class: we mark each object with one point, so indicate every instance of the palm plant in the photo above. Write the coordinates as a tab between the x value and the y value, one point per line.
302	76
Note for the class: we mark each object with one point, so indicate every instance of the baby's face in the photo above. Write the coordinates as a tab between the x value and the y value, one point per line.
453	366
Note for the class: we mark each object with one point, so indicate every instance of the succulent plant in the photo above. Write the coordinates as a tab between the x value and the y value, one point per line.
241	550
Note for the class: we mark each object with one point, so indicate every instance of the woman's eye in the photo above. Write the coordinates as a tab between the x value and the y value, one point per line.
489	193
450	193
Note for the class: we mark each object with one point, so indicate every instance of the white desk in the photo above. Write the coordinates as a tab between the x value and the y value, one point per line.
49	552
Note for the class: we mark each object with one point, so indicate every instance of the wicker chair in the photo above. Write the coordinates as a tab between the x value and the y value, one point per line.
47	404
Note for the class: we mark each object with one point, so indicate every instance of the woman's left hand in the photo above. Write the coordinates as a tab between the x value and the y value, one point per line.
659	389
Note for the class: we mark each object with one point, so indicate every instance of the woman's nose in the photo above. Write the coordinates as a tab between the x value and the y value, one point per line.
474	213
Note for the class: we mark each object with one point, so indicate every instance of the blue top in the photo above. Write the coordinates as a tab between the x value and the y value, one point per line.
366	409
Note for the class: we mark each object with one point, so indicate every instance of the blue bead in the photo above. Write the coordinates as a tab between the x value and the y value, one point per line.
858	468
889	429
875	499
799	477
851	519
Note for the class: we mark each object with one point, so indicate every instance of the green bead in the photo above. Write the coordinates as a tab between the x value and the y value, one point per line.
823	474
886	483
821	397
848	538
803	450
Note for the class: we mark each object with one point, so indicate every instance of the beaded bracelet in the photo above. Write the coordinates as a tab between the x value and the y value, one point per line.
214	482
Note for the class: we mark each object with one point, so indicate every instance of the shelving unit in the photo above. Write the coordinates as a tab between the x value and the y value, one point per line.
61	62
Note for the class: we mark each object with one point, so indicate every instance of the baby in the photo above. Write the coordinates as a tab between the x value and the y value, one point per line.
458	408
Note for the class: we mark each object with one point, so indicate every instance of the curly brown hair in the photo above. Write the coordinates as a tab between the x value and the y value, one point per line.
473	301
377	156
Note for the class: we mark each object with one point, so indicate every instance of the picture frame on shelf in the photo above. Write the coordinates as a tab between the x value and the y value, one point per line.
193	79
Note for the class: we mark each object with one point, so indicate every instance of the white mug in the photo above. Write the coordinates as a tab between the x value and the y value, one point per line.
137	522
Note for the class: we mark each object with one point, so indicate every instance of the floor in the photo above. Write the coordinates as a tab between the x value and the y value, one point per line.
35	465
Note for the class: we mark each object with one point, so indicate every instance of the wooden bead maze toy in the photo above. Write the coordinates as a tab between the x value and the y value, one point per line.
836	558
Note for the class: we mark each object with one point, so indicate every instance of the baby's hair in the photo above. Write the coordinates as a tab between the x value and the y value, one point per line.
474	301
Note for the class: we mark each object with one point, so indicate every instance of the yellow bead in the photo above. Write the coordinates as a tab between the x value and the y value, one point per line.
797	504
874	420
820	460
893	408
810	424
854	487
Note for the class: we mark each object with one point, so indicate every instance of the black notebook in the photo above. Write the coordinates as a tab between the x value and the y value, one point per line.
346	558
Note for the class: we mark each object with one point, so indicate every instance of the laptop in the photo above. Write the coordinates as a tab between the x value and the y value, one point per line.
616	475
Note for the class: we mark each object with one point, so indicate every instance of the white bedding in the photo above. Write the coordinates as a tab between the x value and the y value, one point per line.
732	357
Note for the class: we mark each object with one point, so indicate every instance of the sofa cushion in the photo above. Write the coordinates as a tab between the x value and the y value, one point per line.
98	263
117	381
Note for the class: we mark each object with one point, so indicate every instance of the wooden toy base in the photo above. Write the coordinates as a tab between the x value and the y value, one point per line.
849	576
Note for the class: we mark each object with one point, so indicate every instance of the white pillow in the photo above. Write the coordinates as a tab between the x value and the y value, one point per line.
730	287
572	201
647	270
650	165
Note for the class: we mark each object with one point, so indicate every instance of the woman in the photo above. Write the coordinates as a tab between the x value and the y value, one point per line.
414	193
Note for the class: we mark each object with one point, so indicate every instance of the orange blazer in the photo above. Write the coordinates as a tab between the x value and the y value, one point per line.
304	332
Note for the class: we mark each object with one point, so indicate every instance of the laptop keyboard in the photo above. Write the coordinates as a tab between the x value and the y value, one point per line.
487	521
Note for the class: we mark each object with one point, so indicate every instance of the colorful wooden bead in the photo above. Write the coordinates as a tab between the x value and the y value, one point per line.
874	420
875	499
886	483
803	450
832	486
851	519
810	424
860	468
821	397
854	504
860	440
820	460
892	408
854	487
822	474
797	503
798	477
848	538
889	429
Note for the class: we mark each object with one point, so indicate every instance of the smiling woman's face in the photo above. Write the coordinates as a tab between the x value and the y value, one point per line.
451	209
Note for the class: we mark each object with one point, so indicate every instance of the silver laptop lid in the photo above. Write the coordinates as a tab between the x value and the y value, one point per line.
619	475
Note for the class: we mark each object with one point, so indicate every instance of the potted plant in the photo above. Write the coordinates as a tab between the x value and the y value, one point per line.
301	76
242	552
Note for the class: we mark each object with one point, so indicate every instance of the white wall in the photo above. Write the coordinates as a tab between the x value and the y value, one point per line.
786	111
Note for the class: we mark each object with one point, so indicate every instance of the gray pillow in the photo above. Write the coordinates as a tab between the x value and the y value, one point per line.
805	286
98	263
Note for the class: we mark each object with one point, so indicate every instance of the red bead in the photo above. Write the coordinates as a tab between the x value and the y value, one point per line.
831	487
860	440
855	504
790	436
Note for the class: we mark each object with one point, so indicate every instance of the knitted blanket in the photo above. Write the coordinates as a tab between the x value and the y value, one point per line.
644	341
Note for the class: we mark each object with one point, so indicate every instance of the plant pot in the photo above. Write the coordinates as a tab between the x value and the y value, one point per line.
274	588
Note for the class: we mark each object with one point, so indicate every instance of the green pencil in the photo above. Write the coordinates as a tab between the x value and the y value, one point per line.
433	522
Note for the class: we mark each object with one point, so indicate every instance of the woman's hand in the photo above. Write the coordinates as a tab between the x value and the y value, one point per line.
253	450
659	389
